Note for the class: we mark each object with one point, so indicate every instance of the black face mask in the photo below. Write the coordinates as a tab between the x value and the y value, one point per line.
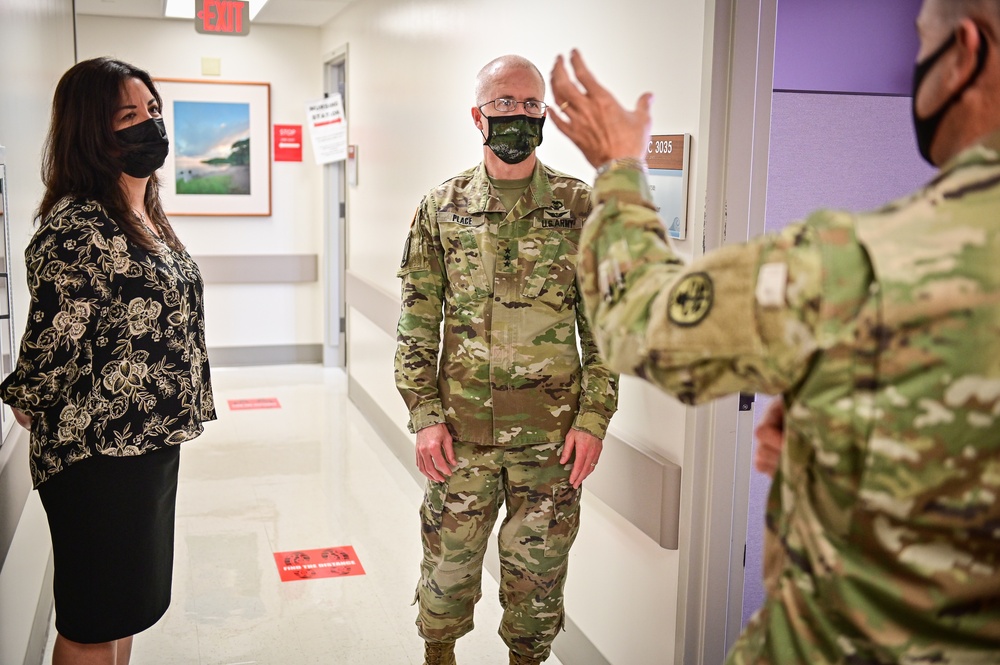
513	138
926	128
144	147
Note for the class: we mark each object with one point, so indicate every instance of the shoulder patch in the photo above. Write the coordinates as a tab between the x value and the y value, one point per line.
406	252
691	299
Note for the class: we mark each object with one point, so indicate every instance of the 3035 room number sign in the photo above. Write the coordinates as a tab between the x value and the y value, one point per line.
667	160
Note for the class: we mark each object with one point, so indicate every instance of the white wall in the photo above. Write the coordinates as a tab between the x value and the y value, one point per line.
289	59
410	74
36	47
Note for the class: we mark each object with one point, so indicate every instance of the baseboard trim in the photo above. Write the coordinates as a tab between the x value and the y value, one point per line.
35	654
15	485
248	356
572	646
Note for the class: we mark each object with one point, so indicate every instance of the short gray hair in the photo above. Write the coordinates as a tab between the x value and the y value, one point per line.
953	11
494	67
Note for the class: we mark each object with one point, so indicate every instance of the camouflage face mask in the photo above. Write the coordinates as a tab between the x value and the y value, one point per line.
514	138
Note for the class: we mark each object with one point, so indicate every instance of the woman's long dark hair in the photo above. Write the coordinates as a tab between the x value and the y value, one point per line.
81	150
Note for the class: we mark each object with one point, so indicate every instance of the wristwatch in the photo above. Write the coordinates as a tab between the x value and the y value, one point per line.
621	163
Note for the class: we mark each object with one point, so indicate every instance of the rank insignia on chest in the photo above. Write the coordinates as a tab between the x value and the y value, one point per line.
691	299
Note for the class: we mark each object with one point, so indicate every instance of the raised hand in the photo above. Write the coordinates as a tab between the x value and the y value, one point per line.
593	119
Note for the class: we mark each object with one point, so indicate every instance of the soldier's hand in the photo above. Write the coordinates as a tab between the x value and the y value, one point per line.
770	435
584	449
593	119
435	454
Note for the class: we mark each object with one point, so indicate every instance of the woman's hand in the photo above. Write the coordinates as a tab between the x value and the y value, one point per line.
22	418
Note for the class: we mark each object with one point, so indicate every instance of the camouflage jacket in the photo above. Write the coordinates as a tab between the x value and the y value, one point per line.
509	371
882	332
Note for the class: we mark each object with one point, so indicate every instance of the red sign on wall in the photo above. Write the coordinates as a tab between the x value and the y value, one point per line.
318	564
288	143
222	17
251	404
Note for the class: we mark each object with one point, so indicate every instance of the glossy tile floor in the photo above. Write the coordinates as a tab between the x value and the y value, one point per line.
311	474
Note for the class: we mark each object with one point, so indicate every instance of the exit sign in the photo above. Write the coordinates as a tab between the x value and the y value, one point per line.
222	17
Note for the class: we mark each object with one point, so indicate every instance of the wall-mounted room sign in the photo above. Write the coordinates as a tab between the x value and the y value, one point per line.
288	143
222	17
667	160
328	129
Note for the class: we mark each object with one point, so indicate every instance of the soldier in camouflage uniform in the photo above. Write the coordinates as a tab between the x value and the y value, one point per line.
506	413
882	333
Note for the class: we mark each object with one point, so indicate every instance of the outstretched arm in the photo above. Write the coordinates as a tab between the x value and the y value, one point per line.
699	330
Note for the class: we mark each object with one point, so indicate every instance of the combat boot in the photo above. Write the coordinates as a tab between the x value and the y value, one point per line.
439	653
518	659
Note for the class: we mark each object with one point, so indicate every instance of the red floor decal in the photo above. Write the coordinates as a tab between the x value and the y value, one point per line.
259	403
318	564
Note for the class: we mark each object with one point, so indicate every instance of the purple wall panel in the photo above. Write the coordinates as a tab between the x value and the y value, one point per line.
853	152
839	151
858	46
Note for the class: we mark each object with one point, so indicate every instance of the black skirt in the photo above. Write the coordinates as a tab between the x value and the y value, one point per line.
112	525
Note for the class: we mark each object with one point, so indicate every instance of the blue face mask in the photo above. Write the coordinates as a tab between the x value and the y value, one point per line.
927	128
513	138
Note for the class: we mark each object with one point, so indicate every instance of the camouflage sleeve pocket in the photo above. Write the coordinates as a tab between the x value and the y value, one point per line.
414	254
565	521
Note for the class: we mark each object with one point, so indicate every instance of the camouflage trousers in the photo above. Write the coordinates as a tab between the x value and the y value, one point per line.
541	523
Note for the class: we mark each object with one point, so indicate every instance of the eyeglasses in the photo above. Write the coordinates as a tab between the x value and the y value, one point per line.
508	105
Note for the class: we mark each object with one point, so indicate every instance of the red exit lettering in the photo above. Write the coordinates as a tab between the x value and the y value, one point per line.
222	16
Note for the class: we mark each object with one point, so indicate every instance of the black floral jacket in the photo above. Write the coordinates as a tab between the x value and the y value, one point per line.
113	358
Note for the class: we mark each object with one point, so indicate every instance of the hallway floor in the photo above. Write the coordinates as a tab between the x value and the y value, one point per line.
311	474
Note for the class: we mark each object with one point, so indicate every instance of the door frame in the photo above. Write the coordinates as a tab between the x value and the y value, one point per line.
335	227
739	75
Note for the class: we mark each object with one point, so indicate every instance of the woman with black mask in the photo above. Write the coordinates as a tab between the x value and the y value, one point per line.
112	372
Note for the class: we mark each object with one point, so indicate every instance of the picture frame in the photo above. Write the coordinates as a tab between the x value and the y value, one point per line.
220	147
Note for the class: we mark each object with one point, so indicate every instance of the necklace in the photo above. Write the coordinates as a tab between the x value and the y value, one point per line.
145	222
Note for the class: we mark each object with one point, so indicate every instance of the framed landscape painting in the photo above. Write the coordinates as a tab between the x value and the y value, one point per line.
220	147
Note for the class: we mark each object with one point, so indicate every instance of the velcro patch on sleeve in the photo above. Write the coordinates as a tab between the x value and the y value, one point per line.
772	283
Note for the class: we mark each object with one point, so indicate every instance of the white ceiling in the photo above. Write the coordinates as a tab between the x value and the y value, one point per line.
284	12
